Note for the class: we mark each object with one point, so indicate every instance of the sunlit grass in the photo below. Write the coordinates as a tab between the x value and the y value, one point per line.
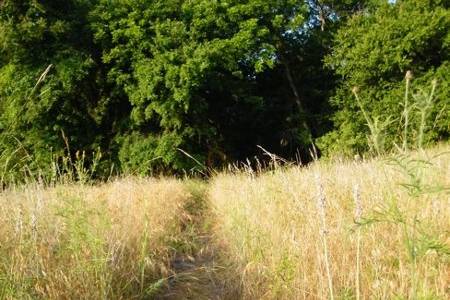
89	242
271	227
376	229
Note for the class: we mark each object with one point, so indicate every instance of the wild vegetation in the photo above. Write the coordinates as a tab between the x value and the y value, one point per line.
139	81
75	241
307	143
337	229
376	229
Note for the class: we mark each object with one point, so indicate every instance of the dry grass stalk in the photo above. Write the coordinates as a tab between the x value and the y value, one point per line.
111	241
321	206
358	216
268	224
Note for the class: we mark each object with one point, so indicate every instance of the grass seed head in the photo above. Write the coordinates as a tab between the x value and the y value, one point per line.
409	75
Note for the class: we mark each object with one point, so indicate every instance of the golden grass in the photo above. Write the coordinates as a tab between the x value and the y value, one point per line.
285	234
112	241
270	227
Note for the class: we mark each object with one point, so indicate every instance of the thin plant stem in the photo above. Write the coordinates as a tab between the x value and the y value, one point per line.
358	215
366	116
327	266
358	264
374	133
423	113
321	203
408	78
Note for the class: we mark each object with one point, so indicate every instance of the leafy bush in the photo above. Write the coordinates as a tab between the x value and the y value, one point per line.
373	52
50	82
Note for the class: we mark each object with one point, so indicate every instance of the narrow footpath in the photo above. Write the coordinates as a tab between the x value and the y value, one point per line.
199	271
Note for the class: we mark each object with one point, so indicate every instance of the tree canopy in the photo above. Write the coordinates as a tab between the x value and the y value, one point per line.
168	85
373	52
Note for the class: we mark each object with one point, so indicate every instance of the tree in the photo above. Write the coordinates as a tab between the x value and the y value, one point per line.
373	52
192	71
171	86
51	83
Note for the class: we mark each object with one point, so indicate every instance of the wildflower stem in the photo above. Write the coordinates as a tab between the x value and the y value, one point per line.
408	78
424	113
374	133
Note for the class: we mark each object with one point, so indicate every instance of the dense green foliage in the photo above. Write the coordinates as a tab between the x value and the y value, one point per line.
51	83
208	77
373	52
169	85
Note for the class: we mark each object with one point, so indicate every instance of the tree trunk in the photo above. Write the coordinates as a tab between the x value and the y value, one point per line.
297	98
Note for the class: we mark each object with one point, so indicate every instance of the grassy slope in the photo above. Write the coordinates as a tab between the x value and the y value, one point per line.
271	227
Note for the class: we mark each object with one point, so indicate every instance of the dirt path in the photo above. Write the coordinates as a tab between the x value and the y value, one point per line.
199	271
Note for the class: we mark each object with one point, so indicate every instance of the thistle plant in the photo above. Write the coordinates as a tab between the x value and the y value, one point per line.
420	108
424	104
419	239
376	126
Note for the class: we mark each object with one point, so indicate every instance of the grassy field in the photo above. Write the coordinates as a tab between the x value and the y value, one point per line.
115	240
344	230
375	229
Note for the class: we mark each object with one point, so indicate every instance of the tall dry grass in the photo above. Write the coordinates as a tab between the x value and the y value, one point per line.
383	234
112	241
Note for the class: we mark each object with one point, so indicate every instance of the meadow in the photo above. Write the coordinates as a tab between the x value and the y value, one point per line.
73	241
133	161
376	229
336	229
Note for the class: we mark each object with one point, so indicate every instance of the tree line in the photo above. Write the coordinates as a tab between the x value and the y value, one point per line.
167	86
